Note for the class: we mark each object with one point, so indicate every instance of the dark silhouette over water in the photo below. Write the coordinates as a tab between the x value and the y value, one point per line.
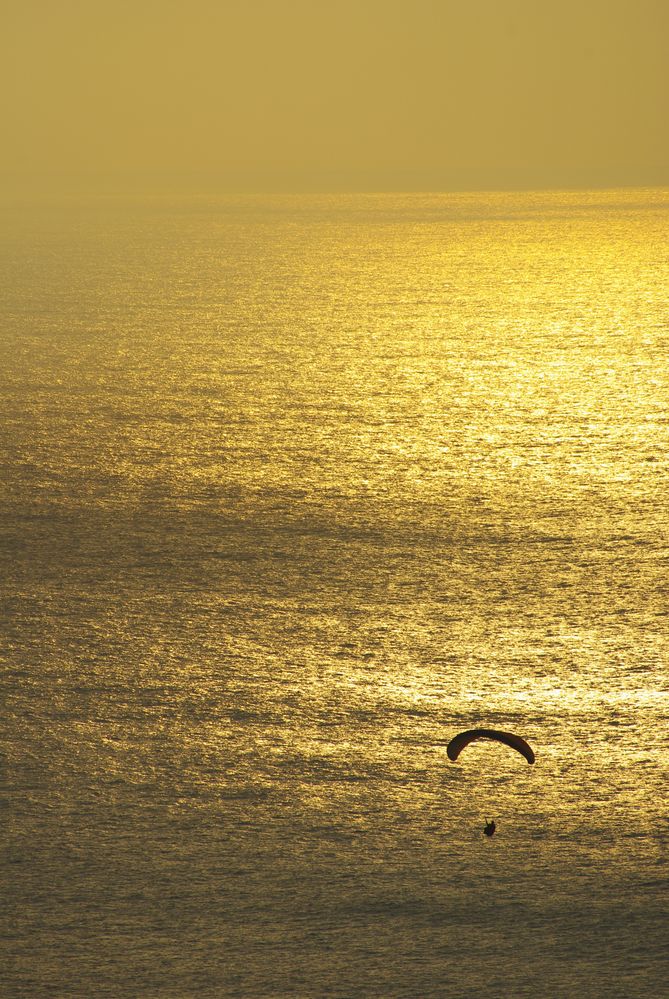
458	742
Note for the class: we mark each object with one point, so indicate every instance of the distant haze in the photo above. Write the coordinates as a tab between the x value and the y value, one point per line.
352	95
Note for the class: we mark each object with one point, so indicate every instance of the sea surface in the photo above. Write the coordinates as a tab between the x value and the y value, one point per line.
292	490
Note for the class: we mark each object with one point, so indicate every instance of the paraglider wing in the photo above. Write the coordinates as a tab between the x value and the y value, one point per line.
457	744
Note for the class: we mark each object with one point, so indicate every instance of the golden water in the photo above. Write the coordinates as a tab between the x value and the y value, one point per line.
293	490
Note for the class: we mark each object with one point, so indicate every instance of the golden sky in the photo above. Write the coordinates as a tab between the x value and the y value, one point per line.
359	95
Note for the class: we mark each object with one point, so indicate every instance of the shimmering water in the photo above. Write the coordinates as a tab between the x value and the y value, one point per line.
293	490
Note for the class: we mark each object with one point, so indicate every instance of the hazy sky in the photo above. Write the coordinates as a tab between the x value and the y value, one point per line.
208	95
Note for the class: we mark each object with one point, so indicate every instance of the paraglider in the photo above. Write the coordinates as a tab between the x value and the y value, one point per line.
459	742
463	739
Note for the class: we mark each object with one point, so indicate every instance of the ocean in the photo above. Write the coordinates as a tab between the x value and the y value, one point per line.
294	489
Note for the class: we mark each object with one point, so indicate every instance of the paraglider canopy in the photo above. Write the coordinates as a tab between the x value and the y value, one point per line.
457	744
